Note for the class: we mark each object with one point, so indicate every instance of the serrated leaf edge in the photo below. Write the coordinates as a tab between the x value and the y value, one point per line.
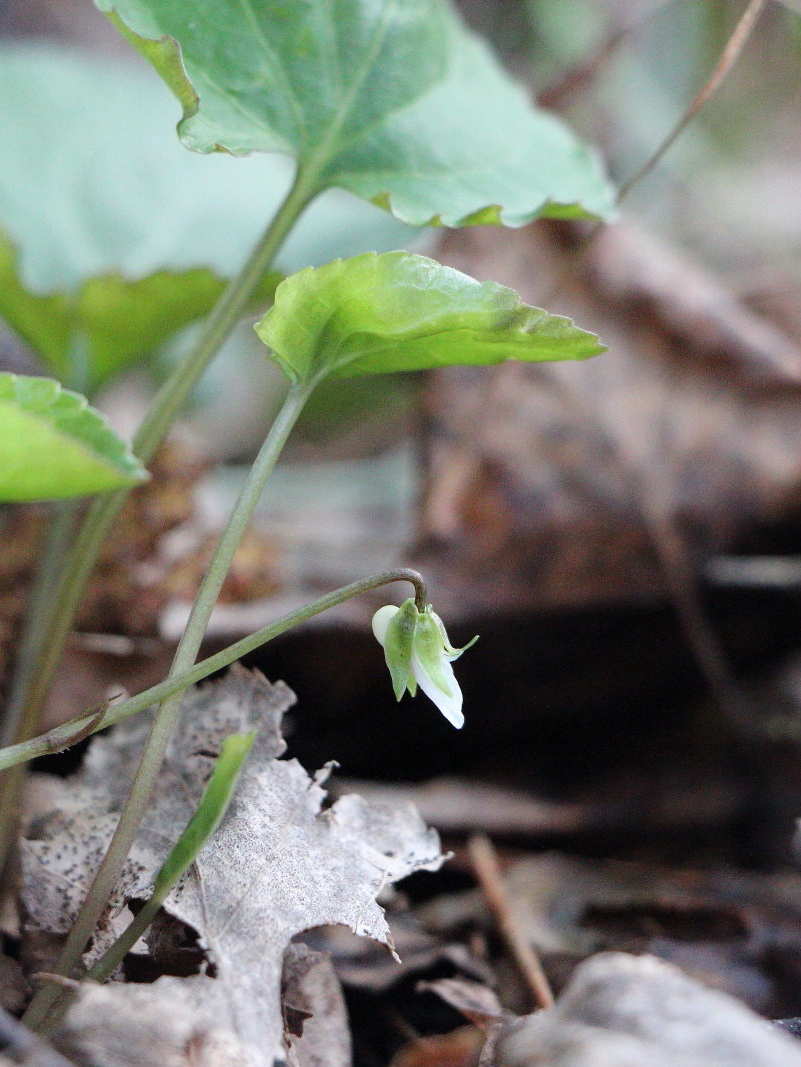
83	424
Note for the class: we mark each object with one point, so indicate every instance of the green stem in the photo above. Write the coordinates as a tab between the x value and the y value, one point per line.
56	540
76	729
31	646
205	820
65	597
166	718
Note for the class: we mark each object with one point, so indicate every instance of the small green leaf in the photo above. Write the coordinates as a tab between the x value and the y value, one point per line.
41	320
109	322
376	314
208	815
393	100
126	320
53	445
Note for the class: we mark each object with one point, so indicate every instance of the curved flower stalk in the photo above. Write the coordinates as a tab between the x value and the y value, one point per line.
418	652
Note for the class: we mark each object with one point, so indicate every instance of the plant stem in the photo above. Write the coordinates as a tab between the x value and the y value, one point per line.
728	57
167	715
56	540
31	646
59	609
85	725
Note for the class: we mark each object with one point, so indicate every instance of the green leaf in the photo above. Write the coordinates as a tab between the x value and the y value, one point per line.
376	314
394	100
112	235
204	822
109	322
53	445
208	815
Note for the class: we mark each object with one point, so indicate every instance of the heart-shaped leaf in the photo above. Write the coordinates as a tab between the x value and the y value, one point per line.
376	314
394	101
52	444
113	235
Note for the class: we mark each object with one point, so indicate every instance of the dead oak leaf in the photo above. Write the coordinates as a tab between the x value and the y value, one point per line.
281	862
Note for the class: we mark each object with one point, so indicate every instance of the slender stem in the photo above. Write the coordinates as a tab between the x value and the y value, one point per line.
31	645
85	725
166	718
65	597
56	540
487	869
728	57
202	825
128	938
225	316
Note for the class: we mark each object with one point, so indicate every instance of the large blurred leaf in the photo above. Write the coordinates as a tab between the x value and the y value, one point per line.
88	335
53	445
377	314
394	101
114	236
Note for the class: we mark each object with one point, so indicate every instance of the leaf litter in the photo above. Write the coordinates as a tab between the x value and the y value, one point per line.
281	863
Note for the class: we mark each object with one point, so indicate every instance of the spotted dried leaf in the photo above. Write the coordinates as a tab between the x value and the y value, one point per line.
280	864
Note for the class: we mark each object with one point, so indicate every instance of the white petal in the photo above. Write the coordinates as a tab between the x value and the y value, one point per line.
381	621
450	706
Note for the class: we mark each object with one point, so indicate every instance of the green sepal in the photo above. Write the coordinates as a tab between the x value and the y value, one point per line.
451	652
398	648
428	647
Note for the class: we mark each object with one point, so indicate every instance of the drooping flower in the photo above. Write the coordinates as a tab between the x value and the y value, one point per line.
418	652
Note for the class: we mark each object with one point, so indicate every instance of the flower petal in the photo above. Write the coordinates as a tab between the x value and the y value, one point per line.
381	621
449	705
450	651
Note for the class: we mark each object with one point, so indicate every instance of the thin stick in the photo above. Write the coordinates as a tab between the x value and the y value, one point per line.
728	57
487	870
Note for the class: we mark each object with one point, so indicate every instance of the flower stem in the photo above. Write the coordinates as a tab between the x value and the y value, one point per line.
99	719
167	715
58	611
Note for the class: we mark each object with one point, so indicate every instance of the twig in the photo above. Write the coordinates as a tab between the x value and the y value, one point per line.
488	874
728	57
726	60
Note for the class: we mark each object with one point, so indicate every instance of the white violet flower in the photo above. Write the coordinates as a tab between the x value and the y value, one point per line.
417	651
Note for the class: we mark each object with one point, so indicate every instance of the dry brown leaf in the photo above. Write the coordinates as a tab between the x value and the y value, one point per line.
729	928
279	864
134	1025
476	1002
459	1048
313	996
